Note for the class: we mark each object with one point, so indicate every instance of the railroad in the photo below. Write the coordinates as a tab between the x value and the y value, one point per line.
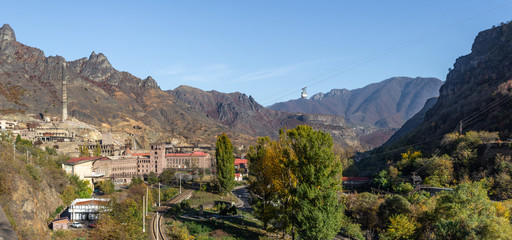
157	224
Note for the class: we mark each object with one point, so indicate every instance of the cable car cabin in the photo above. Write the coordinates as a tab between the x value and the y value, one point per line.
304	94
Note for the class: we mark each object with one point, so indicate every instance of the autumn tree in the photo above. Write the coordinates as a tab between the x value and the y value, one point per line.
301	178
225	161
468	213
84	151
265	179
97	150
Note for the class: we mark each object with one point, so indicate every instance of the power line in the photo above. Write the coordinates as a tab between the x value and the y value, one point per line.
322	77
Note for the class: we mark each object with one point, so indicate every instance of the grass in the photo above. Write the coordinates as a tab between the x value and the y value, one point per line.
209	199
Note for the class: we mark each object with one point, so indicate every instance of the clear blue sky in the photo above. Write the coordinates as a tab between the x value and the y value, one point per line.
267	49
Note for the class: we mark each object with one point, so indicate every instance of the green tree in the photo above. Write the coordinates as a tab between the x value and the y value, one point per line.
318	183
167	176
225	161
394	204
106	186
468	213
82	187
136	181
97	150
152	178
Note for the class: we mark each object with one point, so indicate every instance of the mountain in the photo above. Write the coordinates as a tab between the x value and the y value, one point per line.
116	101
476	94
387	104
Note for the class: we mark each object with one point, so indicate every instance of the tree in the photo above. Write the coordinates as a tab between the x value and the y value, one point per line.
84	151
265	179
468	213
394	204
401	227
225	161
106	186
167	176
97	150
299	177
318	182
136	181
152	178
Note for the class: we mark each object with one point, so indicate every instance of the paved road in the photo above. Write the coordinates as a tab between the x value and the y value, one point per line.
6	232
242	193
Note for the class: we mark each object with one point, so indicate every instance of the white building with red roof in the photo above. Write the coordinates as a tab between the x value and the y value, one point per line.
88	208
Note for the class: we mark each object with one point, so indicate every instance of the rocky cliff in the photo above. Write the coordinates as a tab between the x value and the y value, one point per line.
387	104
477	92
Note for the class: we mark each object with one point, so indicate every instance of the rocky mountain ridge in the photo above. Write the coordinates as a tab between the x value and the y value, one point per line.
120	102
387	104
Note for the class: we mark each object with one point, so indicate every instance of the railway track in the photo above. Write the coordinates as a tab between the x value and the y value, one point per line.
178	199
157	224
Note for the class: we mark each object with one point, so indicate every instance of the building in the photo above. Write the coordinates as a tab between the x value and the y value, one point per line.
87	168
6	124
123	169
88	208
162	157
61	223
242	166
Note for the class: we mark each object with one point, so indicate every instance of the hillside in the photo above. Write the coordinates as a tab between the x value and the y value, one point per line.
387	104
477	93
116	101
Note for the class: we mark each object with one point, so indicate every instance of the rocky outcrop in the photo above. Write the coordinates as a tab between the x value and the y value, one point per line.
476	92
387	104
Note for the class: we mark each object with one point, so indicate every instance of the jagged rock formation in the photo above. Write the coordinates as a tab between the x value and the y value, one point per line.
387	104
118	101
243	114
477	92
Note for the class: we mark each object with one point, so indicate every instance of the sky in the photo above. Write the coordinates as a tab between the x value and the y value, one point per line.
267	49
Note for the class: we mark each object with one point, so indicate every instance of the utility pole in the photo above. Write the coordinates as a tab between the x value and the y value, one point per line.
143	215
460	127
157	225
158	194
180	183
147	199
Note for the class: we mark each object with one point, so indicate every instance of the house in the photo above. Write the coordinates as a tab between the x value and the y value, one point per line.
88	208
61	223
241	166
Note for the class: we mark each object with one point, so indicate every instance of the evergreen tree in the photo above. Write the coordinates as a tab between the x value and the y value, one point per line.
225	163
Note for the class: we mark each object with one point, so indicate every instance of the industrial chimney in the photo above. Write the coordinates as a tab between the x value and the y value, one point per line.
64	94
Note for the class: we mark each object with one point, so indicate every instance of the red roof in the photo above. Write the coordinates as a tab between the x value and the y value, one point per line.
64	219
239	161
92	202
81	159
194	154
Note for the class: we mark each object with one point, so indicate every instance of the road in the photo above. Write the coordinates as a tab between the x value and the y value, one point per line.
6	231
242	193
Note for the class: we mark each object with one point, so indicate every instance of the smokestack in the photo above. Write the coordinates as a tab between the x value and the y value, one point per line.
64	94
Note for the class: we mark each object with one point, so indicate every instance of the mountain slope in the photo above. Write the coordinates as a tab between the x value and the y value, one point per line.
99	94
387	104
477	93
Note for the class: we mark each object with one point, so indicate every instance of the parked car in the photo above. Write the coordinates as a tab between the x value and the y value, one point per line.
76	225
93	225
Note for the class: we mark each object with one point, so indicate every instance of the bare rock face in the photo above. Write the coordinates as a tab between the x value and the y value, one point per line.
476	91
